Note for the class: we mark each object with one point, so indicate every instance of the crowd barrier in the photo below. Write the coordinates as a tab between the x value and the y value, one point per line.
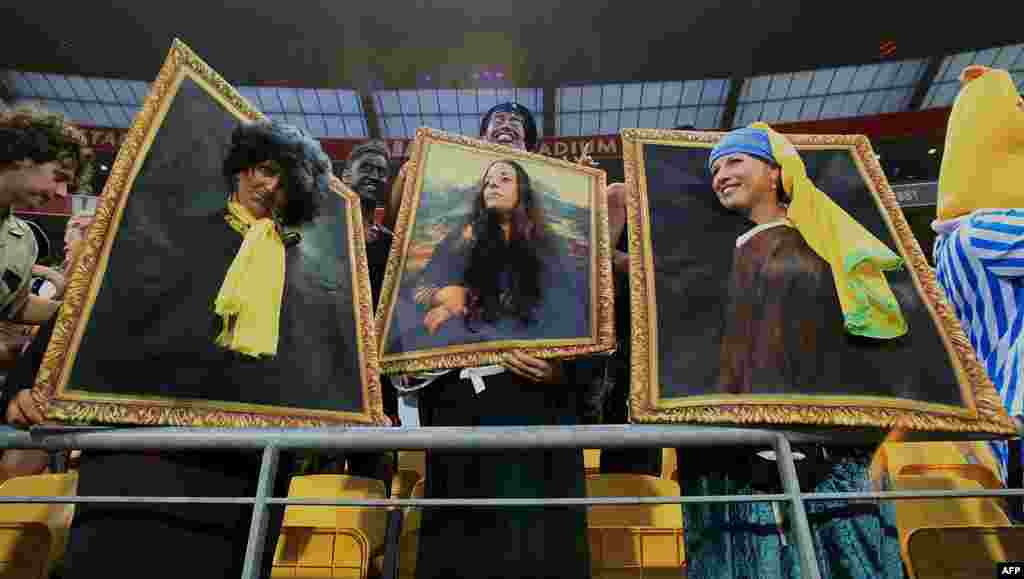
369	439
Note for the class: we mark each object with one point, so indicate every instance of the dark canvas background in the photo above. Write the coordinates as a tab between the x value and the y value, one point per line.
693	239
152	326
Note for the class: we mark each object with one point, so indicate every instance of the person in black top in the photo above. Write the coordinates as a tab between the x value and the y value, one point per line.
276	172
367	173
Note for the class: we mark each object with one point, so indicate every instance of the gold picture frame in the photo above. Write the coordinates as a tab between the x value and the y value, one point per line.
980	411
601	334
77	404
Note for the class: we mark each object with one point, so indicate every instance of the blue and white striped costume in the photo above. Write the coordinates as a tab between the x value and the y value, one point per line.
979	263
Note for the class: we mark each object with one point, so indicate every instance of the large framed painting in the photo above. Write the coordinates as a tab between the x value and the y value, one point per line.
134	342
495	249
696	312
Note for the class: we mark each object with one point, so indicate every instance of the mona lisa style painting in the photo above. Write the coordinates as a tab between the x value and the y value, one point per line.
775	281
495	249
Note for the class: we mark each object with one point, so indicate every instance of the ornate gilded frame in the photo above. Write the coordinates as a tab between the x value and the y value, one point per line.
78	406
983	412
602	338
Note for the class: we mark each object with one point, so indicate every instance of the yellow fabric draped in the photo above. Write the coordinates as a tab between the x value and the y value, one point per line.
858	258
249	301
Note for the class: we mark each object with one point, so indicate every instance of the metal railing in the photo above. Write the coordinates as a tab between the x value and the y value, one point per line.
369	439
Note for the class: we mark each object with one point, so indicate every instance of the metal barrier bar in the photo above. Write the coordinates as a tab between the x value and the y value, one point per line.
258	530
801	526
397	503
377	439
368	439
495	502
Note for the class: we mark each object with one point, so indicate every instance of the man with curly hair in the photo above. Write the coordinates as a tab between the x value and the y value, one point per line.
219	308
42	156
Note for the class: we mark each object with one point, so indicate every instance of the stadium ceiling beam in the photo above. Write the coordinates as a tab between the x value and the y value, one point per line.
548	93
931	70
373	129
731	103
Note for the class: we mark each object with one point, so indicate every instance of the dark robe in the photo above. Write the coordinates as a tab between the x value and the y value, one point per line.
377	465
615	403
783	335
194	541
153	325
783	323
512	542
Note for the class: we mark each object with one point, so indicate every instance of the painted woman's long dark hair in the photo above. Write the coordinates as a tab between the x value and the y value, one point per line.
490	254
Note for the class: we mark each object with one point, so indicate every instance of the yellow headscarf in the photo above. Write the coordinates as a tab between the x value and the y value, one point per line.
249	301
858	258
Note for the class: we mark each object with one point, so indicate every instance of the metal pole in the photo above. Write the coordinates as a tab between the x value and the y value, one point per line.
258	530
496	502
801	527
376	439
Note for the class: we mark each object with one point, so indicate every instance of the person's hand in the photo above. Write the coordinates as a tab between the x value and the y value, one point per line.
972	72
620	262
336	184
452	297
535	369
25	409
53	276
585	159
436	318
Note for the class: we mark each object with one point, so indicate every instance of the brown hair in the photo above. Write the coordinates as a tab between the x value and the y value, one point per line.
41	136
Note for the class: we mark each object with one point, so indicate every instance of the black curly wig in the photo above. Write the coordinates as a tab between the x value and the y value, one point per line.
305	167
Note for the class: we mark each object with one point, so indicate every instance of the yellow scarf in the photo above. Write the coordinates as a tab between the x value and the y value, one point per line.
249	301
858	258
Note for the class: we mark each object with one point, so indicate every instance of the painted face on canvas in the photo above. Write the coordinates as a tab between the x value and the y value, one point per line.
742	182
261	189
501	187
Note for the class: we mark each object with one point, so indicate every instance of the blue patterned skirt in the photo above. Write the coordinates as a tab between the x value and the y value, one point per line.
853	540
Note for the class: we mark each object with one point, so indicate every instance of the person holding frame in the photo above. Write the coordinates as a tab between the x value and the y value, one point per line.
773	339
277	173
480	542
42	156
366	173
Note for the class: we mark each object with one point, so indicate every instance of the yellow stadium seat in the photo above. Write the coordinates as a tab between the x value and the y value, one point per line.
409	543
635	541
633	485
414	460
913	514
403	482
896	458
975	472
591	460
962	552
669	464
335	542
33	536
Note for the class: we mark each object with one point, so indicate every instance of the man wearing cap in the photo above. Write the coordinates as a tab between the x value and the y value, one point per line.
509	124
473	542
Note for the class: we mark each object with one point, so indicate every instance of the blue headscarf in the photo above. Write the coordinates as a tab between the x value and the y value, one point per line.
751	141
